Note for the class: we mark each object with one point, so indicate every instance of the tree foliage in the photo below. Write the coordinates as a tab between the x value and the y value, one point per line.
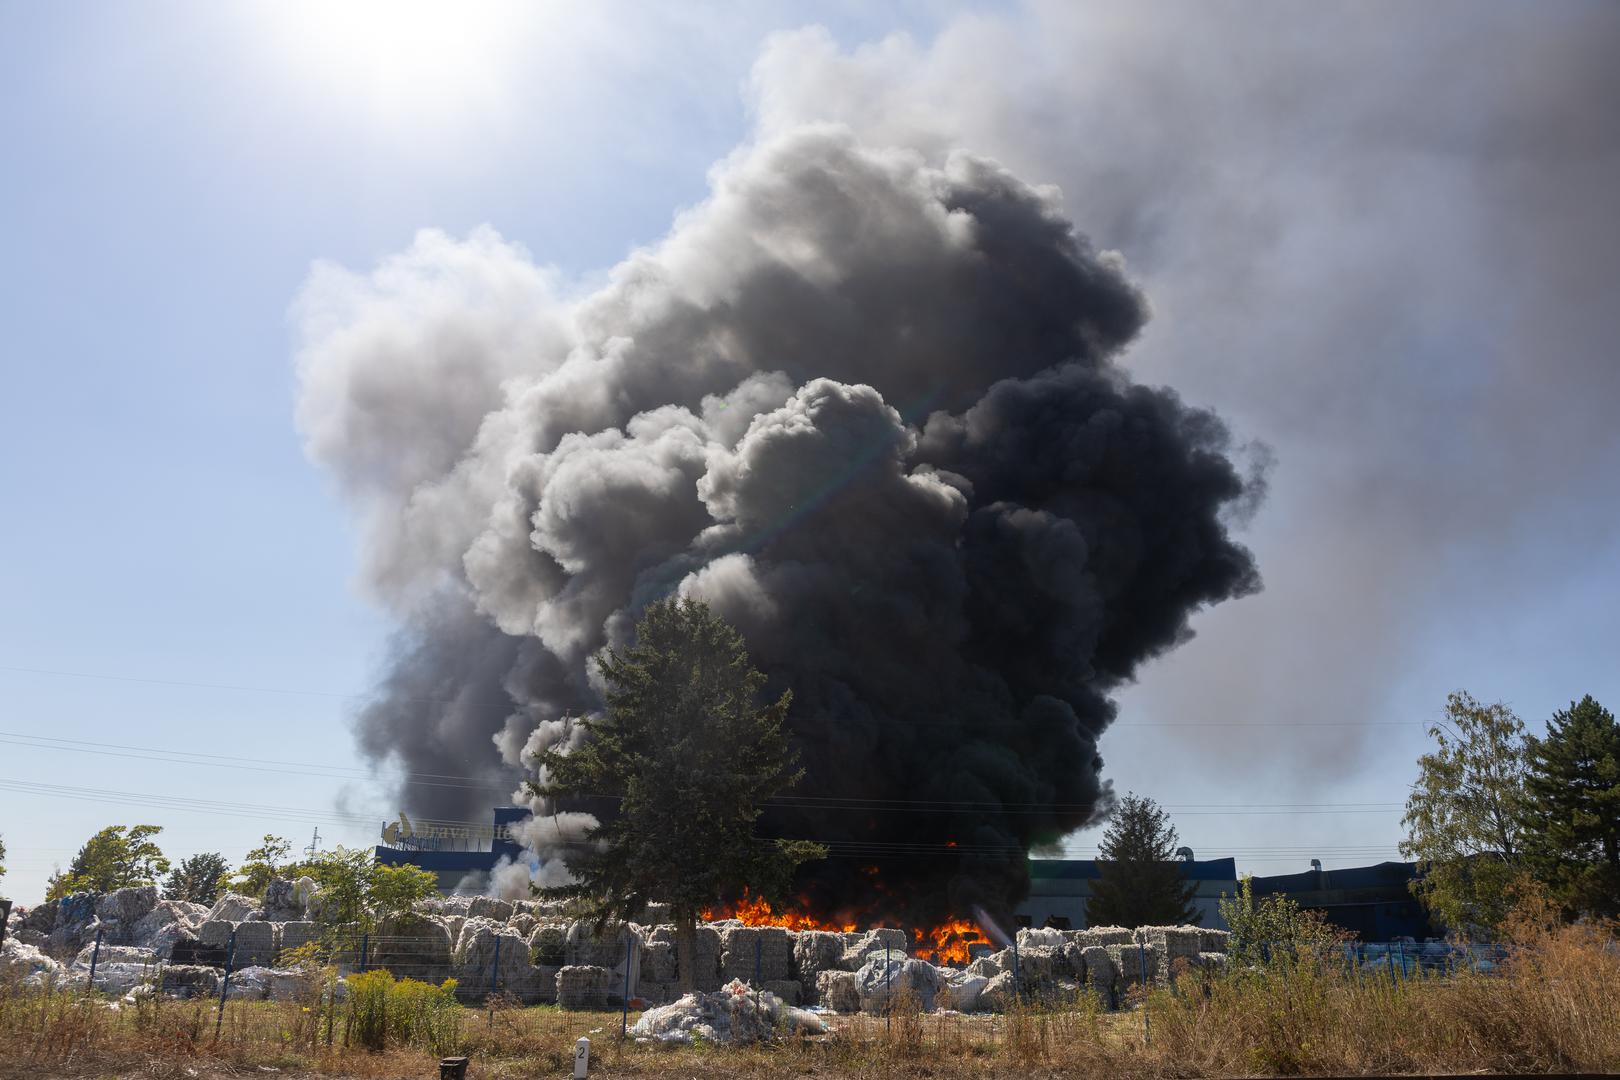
689	758
1274	929
263	863
2	856
1140	881
199	879
1573	808
1465	816
117	857
357	891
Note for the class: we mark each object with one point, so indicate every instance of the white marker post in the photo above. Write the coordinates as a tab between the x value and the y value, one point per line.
582	1057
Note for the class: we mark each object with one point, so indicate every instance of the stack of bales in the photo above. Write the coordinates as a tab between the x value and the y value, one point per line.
659	982
759	956
705	955
815	952
1175	949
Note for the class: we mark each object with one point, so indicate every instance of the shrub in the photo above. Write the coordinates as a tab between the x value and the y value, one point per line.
383	1011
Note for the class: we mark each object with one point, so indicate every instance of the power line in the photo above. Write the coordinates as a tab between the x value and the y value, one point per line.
829	802
509	705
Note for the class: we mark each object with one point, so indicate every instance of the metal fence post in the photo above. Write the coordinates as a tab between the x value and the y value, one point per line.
1018	989
888	989
495	968
1141	968
95	954
624	1013
365	946
225	984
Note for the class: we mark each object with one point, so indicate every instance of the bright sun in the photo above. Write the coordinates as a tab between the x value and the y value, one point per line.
400	57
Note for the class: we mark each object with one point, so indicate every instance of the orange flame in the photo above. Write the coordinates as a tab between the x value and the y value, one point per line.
757	911
950	941
947	943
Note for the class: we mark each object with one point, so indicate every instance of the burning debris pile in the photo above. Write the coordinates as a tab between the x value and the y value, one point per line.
535	952
872	409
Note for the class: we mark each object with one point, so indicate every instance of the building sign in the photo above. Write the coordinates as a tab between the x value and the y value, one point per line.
403	833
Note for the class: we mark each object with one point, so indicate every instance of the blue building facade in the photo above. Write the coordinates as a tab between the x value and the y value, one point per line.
1373	902
451	852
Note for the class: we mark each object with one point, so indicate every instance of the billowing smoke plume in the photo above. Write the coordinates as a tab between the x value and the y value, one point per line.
869	408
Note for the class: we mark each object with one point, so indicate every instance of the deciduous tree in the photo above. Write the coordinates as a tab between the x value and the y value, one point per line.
1274	928
199	879
1465	816
261	865
117	857
690	757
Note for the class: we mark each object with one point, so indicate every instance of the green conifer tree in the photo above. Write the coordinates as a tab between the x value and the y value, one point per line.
688	758
1140	882
1572	822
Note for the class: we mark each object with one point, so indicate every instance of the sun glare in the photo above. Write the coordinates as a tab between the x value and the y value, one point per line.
400	58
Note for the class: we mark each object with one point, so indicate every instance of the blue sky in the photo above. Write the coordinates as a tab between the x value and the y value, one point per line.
176	575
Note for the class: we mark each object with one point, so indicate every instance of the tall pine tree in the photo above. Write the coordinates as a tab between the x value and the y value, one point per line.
1573	819
691	757
1140	882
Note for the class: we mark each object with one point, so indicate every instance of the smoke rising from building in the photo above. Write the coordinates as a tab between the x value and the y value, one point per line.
867	406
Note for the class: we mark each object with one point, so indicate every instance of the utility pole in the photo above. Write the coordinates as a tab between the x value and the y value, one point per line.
314	842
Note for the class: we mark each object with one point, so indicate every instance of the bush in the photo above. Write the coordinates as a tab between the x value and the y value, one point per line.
384	1012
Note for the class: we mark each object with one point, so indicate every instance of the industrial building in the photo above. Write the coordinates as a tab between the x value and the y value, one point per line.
1059	889
1373	902
451	852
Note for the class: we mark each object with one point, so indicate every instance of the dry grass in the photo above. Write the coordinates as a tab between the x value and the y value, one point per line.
1555	1007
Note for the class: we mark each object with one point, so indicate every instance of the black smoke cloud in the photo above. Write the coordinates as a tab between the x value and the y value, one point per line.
871	410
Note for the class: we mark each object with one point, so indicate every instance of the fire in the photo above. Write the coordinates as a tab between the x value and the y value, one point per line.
948	942
757	911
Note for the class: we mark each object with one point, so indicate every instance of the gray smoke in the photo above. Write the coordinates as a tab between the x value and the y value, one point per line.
866	404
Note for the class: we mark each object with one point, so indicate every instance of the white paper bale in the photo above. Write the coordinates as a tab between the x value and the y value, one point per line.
705	955
859	949
294	935
215	933
837	990
233	907
127	906
1104	936
879	983
582	986
1100	971
411	946
756	954
616	948
114	977
1134	964
815	951
304	892
989	967
113	954
999	993
1213	941
658	962
255	944
189	981
489	907
28	963
962	991
1042	937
